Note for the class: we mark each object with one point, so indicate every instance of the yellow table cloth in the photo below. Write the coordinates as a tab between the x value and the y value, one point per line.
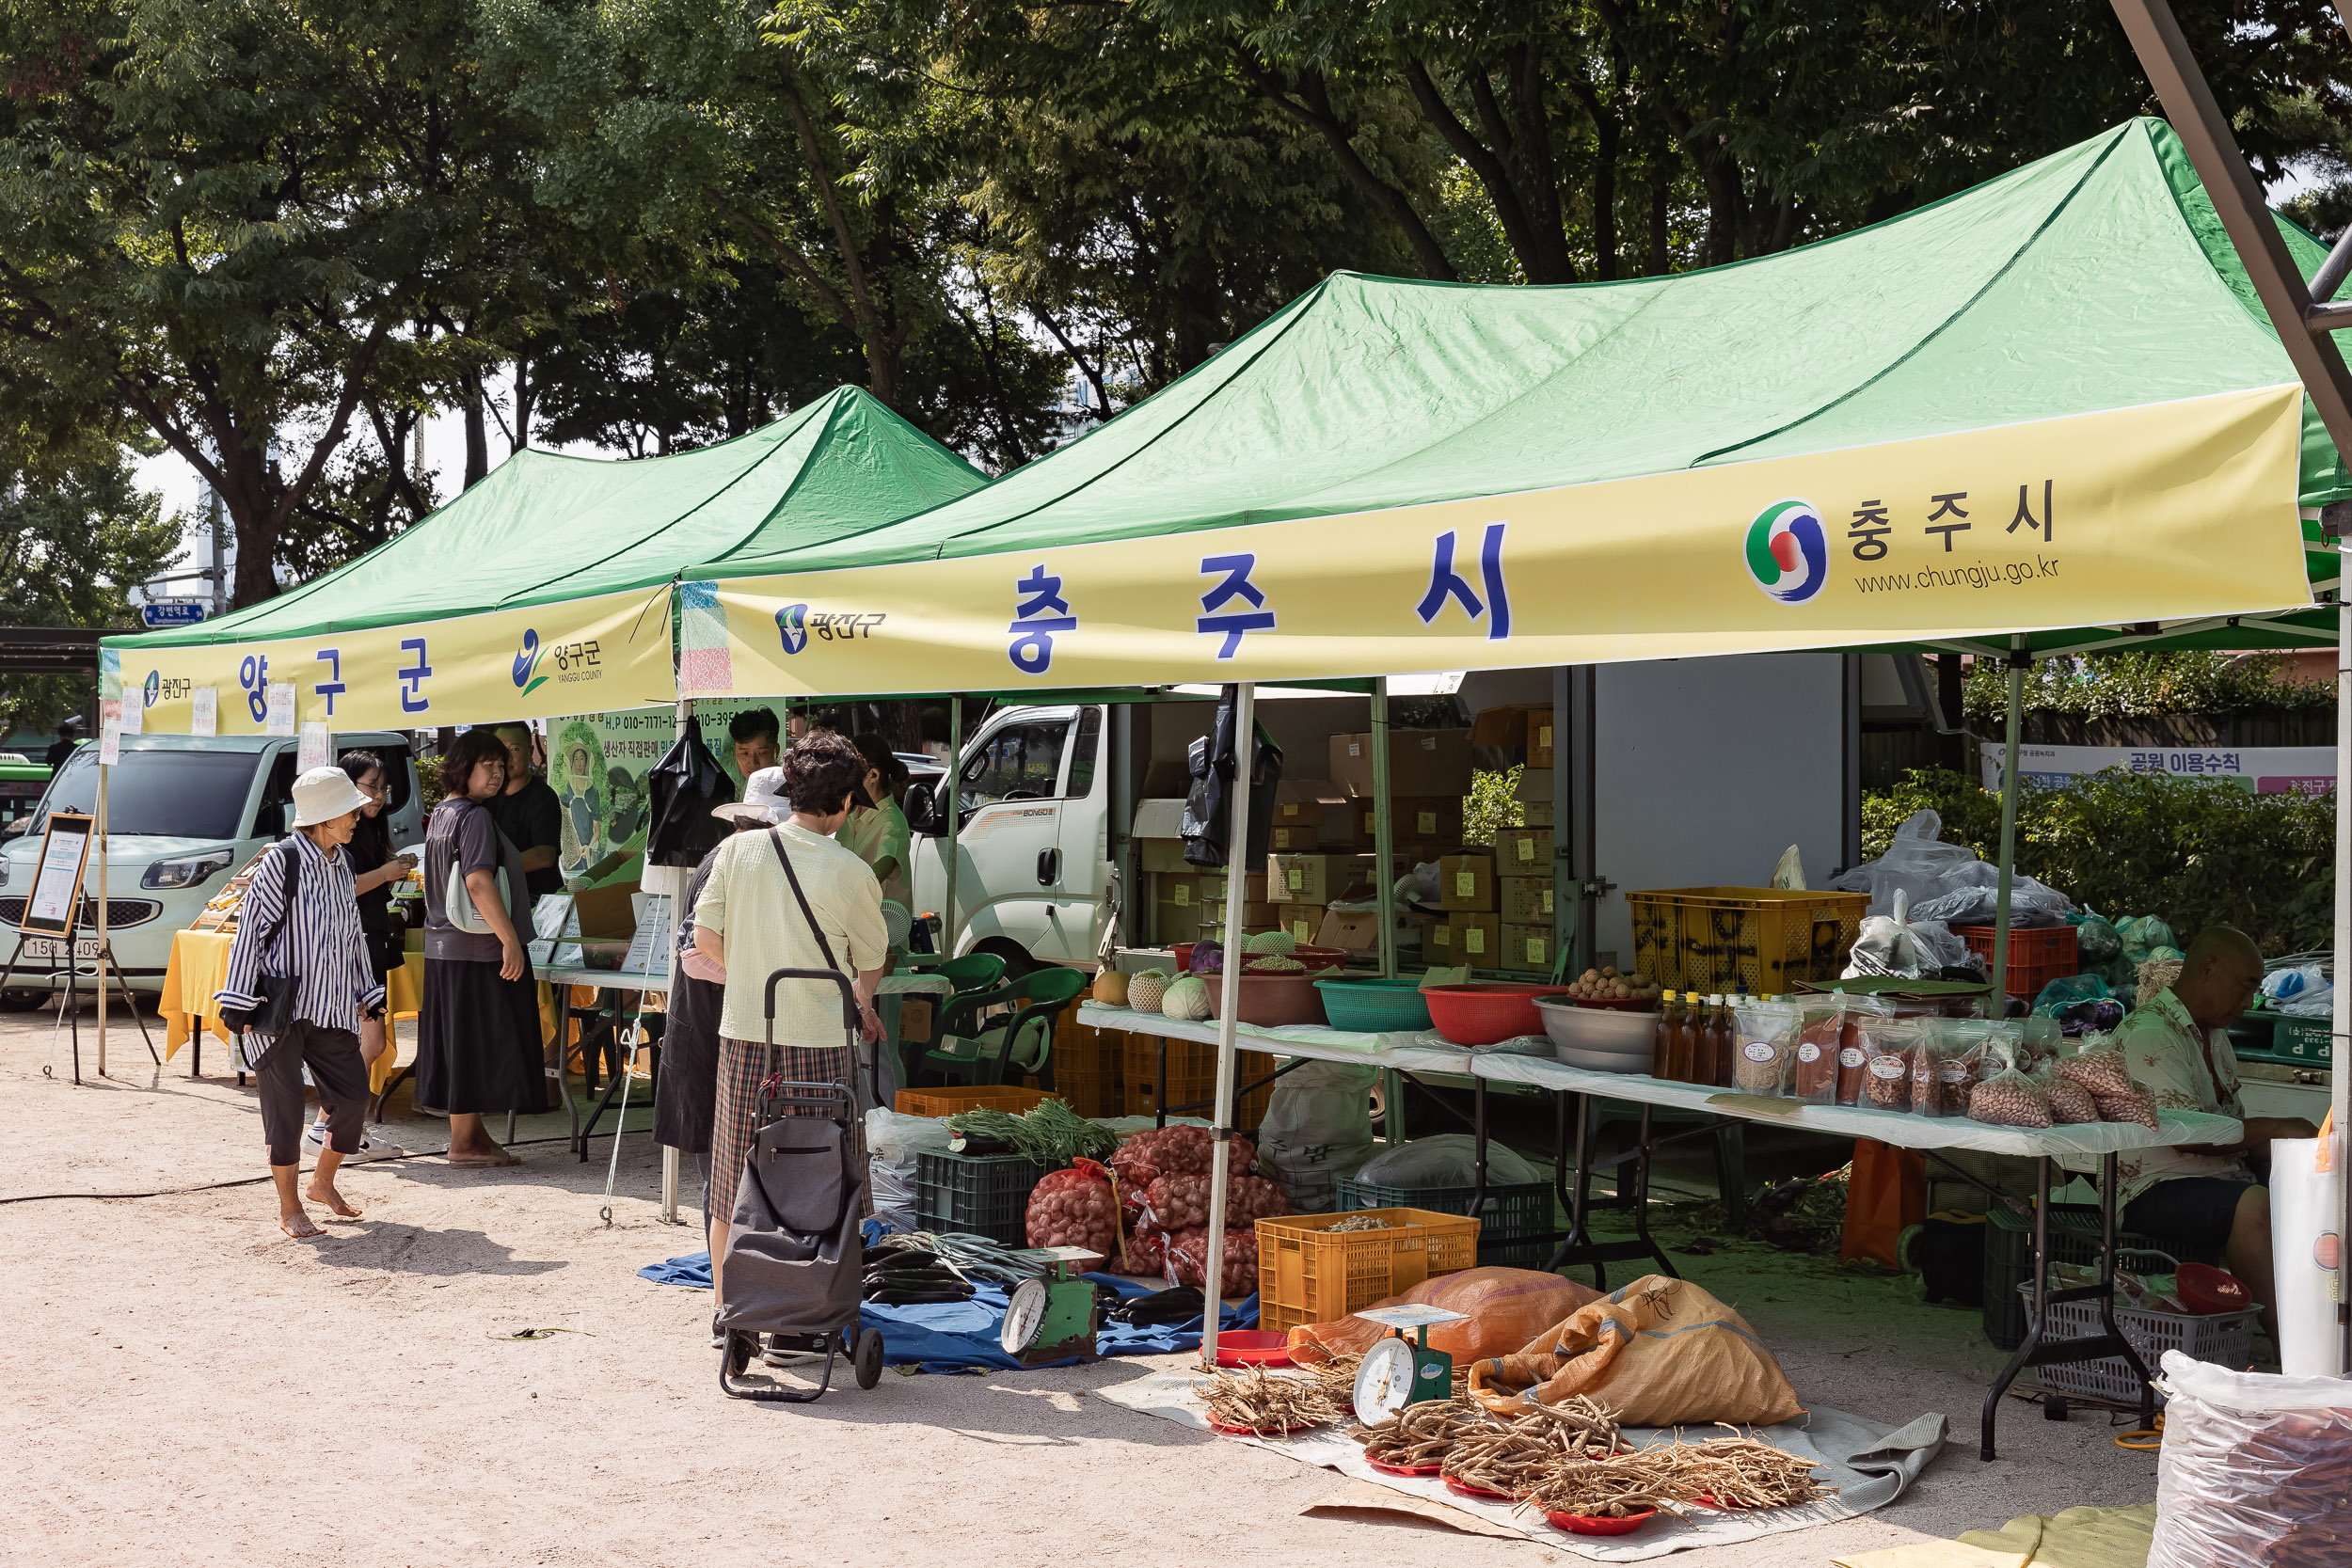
2078	1538
200	963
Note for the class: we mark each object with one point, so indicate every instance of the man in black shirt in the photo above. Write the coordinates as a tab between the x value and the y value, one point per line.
530	815
69	737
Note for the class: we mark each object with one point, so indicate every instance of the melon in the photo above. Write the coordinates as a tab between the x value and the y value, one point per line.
1110	988
1187	998
1145	990
1273	942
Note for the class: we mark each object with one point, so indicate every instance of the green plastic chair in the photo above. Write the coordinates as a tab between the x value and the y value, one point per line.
972	975
971	971
1036	1001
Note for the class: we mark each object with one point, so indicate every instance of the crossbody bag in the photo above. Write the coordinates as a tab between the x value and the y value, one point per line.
273	1014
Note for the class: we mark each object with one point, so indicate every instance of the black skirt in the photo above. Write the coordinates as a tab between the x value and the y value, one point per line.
686	1095
478	1045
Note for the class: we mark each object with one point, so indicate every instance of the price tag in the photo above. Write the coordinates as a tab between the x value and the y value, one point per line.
1299	879
1536	951
1466	884
1428	821
1547	901
1527	848
1474	939
1184	894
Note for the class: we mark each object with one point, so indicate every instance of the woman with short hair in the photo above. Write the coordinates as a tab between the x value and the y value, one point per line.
876	829
750	921
314	939
478	1044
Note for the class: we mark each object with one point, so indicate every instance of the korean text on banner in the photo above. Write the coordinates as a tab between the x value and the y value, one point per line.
2160	511
544	662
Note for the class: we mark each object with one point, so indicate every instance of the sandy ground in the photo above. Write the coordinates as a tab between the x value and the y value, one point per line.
184	1385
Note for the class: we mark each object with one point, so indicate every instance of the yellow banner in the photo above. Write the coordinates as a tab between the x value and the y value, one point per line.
2162	512
541	662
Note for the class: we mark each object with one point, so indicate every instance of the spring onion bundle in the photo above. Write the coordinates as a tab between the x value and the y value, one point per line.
1050	1135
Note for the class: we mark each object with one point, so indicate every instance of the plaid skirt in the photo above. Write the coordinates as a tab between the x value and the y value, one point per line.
735	1122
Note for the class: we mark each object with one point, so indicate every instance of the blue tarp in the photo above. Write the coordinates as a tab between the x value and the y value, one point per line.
947	1337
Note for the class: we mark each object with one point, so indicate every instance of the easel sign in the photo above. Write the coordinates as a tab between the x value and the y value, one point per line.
54	907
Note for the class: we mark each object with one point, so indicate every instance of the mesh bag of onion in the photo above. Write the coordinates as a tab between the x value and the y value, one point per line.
1188	1260
1076	1207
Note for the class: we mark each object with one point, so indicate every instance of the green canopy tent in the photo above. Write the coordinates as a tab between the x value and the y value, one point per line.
545	588
1835	447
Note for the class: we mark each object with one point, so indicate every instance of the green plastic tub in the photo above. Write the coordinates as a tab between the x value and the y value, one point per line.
1375	1007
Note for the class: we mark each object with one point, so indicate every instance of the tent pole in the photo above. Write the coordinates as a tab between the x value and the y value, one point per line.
955	769
1383	829
103	772
2340	1093
1236	905
2018	659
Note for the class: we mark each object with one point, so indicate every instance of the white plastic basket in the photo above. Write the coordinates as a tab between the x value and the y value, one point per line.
2223	1338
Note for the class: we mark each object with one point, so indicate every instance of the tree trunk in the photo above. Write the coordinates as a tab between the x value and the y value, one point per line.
477	429
525	396
1661	245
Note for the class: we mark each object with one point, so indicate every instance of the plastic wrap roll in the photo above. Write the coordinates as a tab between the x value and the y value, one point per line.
2306	1213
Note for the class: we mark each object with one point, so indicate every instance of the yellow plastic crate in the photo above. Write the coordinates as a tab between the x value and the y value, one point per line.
1306	1274
1717	938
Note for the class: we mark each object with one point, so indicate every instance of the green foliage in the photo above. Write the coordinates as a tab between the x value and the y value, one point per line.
2196	851
2136	685
1492	804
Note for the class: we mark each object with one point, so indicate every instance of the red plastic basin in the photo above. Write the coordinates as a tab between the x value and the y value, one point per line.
1482	1012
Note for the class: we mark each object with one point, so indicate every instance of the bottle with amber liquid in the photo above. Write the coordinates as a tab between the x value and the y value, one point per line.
1662	1046
1693	1043
1727	1037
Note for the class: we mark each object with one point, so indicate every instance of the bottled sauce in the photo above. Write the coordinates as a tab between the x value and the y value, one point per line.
1727	1037
1662	1048
1692	1042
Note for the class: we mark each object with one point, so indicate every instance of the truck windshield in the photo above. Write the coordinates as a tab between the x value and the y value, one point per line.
173	793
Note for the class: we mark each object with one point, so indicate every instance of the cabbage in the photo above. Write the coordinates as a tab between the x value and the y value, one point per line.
1187	998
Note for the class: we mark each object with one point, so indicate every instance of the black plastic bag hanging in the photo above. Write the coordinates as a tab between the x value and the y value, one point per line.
1208	816
680	790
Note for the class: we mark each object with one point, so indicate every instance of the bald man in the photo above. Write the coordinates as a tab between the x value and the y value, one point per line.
2177	1048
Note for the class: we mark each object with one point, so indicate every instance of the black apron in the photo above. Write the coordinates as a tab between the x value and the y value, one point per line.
686	1095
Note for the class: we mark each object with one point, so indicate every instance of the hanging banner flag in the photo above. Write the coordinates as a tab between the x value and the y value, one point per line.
541	662
2161	512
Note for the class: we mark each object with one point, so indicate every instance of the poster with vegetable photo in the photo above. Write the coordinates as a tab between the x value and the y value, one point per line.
596	765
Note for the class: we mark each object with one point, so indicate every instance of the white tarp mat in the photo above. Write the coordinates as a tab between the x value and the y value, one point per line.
1870	1464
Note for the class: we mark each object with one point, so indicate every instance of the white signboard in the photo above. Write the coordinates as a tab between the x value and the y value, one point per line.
205	717
133	711
318	745
650	945
2259	770
110	731
58	876
280	719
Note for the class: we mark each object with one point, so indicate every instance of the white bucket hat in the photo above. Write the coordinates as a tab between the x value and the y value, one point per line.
764	799
323	794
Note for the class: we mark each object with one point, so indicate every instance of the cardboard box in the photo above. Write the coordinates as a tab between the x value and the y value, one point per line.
1297	838
1255	916
1180	888
1527	947
1165	778
1524	900
1525	852
1297	800
606	912
1175	922
1521	727
1213	886
1317	879
1539	739
1420	761
1471	938
1358	931
1465	882
1302	921
1161	854
1433	818
1536	813
1534	784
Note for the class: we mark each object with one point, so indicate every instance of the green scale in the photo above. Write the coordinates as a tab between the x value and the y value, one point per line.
1053	1317
1398	1371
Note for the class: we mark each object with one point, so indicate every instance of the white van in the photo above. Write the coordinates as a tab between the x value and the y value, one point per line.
1033	843
183	812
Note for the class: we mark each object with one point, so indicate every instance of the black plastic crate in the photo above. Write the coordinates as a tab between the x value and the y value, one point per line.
982	1194
1516	1255
2008	1261
1510	1214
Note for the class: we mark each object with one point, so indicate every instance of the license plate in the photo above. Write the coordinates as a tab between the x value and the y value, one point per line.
53	948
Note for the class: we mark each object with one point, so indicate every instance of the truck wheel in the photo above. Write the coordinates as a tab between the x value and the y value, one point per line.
24	1001
1018	961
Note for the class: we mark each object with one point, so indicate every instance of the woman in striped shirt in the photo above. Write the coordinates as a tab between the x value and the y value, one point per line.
316	937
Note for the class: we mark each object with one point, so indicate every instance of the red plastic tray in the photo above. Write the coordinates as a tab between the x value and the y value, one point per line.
1387	1469
1253	1347
1456	1483
1589	1524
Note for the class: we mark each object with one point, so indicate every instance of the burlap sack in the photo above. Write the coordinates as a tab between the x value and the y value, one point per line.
1661	1353
1506	1307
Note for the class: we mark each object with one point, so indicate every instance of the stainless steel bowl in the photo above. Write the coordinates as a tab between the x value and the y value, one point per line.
1590	1031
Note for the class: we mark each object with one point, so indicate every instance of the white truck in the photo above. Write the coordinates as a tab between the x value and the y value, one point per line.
183	812
1033	869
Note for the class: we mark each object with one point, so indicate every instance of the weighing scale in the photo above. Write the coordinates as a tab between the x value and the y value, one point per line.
1398	1371
1052	1318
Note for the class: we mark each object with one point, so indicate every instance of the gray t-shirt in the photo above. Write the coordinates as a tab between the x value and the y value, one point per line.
462	834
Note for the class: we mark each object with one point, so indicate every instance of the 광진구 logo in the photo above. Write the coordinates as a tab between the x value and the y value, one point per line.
792	625
526	663
154	685
1788	550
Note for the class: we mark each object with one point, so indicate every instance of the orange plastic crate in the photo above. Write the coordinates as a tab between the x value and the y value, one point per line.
2037	954
1088	1068
1192	1078
1306	1274
977	1097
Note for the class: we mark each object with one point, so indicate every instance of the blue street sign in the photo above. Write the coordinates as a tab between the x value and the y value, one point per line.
171	612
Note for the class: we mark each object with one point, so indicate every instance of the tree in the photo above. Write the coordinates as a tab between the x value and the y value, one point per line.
247	223
75	533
